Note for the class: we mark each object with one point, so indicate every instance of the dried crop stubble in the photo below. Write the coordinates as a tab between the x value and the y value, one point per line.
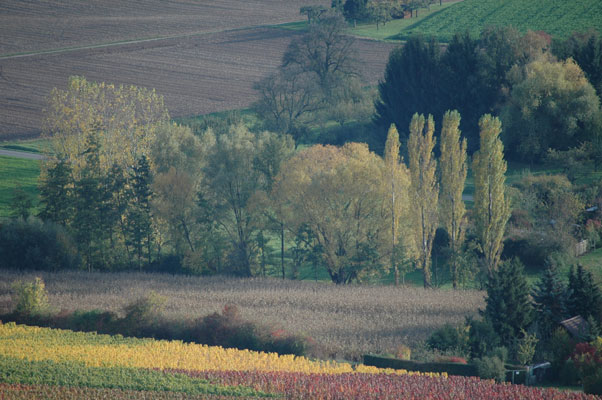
27	26
346	320
197	75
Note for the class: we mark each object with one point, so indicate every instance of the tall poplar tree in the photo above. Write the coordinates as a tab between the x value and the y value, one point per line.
491	206
392	167
424	189
453	167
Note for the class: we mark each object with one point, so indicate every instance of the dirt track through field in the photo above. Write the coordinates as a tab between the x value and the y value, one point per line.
197	73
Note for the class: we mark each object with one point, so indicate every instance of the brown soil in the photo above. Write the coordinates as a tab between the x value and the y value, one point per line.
197	74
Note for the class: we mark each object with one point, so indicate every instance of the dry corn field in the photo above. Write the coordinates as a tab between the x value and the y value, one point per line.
207	57
346	321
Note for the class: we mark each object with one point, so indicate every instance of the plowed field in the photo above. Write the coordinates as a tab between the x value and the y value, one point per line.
208	63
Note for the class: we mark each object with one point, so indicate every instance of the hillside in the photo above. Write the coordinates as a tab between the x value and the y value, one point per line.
557	17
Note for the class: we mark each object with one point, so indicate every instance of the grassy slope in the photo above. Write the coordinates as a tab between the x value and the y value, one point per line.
17	172
557	17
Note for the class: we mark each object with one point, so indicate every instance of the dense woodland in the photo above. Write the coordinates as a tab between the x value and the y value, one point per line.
378	193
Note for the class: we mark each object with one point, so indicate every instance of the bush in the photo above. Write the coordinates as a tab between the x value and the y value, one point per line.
449	338
30	299
89	321
593	384
142	315
228	329
34	245
482	338
491	368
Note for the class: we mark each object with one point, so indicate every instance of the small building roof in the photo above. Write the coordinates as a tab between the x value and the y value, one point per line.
577	327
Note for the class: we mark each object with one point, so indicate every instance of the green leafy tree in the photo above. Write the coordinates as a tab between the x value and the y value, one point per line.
551	105
508	306
338	194
355	10
586	50
491	206
230	179
424	190
453	169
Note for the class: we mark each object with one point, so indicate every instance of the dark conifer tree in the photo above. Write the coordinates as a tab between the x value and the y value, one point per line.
508	305
411	85
584	298
56	194
549	301
139	212
88	202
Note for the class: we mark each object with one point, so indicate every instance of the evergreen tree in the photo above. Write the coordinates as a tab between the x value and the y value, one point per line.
491	206
508	305
120	201
584	298
88	197
549	301
411	83
424	189
139	212
453	169
56	194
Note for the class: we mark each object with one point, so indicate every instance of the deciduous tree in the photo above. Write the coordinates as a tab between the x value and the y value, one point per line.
338	194
397	186
128	115
424	190
491	206
453	167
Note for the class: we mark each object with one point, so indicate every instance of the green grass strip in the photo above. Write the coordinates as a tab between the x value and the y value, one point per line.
17	172
77	374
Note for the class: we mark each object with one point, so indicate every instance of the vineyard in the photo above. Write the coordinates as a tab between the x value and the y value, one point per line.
47	363
556	17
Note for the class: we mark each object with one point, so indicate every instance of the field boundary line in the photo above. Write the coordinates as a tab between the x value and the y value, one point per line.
127	42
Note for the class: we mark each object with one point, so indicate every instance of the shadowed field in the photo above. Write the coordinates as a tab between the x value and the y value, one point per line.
346	320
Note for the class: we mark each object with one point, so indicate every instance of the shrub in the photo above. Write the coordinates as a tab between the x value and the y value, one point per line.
142	315
482	338
30	299
92	321
282	342
560	348
593	384
34	245
525	348
449	338
228	329
491	368
403	352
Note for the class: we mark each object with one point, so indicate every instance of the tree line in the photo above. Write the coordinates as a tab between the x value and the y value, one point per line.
220	201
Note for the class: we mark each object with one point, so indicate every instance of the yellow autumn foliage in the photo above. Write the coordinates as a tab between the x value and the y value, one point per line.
95	350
